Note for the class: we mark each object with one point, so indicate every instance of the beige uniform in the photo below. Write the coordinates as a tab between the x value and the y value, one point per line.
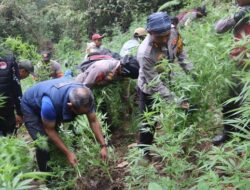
149	54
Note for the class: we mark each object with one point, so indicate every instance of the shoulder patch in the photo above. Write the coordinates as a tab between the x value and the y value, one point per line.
3	65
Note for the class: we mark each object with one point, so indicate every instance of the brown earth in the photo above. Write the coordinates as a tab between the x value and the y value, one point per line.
119	141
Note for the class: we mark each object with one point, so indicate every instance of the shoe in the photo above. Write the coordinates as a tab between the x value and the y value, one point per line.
219	139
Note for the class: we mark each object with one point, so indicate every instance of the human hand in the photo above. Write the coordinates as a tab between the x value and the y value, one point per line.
72	159
109	76
185	105
104	153
19	121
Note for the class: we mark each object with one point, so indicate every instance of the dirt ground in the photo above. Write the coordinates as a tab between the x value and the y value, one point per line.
119	141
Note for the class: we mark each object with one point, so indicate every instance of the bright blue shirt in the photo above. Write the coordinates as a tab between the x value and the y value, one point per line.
48	111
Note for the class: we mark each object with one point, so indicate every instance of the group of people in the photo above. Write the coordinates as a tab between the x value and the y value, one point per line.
48	103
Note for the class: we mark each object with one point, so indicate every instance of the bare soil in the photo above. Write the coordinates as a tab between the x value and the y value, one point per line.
119	141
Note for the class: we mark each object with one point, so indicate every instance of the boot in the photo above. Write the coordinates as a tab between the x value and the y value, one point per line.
219	139
225	136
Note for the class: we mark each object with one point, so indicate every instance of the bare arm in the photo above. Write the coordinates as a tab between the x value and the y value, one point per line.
95	126
49	127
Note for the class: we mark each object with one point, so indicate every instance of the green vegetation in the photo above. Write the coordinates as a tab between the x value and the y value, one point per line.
17	165
183	157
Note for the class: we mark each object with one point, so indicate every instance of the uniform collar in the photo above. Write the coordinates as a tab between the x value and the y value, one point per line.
151	43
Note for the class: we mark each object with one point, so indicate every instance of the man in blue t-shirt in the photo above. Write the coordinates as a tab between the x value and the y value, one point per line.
51	102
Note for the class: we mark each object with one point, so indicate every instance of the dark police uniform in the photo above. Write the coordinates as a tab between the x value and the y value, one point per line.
10	88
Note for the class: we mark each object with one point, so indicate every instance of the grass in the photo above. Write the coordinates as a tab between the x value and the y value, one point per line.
183	144
188	160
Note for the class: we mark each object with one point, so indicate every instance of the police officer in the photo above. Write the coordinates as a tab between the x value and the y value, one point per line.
130	47
163	41
240	25
10	90
51	102
103	72
186	17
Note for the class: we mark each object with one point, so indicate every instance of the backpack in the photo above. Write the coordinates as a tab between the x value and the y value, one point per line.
96	56
92	59
130	67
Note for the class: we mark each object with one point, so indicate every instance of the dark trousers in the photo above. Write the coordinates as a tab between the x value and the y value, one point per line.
7	122
35	128
146	134
229	112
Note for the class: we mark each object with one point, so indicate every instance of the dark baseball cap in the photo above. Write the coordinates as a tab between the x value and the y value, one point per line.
159	23
27	65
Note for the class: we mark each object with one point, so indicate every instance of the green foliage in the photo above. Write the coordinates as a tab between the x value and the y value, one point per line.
16	165
154	186
187	158
111	102
45	20
20	49
67	54
80	139
1	100
169	5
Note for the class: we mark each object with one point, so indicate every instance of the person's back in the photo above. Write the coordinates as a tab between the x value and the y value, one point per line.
130	47
239	24
47	104
57	90
184	18
99	72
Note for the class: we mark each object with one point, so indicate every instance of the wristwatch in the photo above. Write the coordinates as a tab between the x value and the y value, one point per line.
104	145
